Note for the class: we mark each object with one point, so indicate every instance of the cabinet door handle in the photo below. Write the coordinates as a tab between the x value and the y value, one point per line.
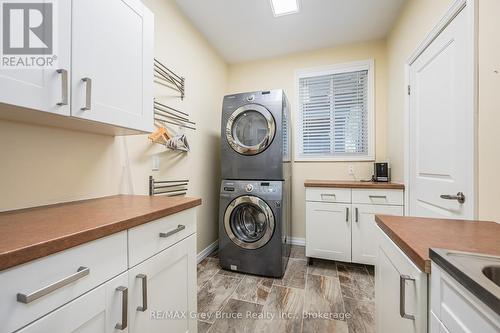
124	323
402	296
180	227
81	272
356	213
64	87
88	93
347	214
144	279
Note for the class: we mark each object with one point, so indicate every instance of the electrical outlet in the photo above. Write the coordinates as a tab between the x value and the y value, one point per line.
155	161
350	169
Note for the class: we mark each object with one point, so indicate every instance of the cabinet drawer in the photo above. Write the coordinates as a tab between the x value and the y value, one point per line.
341	195
103	259
377	197
148	239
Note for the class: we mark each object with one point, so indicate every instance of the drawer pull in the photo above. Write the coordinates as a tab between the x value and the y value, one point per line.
378	197
144	279
402	296
180	227
81	272
123	325
328	197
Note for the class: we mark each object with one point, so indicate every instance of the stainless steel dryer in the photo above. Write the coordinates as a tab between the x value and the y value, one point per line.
255	136
254	227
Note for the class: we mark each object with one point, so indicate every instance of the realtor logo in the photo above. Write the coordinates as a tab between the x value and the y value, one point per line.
27	34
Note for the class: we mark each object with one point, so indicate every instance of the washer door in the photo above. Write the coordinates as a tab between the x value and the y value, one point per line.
249	222
250	129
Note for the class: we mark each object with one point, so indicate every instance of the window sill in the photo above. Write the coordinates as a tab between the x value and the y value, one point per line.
335	159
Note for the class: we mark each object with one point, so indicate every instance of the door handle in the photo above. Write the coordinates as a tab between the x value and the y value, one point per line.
180	227
81	272
123	325
356	213
144	279
460	197
88	94
347	214
64	87
402	297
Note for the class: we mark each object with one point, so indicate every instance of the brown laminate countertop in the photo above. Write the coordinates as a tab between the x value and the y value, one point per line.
32	233
353	184
415	236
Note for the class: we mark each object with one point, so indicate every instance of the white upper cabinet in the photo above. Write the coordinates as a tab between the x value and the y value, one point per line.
43	89
104	71
112	55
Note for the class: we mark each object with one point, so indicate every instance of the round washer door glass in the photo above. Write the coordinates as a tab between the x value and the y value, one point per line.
250	129
249	222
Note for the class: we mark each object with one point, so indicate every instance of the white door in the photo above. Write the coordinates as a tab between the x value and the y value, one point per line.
43	89
364	231
98	311
328	231
112	61
441	117
165	285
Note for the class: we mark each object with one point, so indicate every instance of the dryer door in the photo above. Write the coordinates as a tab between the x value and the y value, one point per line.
249	222
250	129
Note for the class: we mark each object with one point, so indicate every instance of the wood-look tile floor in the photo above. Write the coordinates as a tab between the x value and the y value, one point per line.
326	296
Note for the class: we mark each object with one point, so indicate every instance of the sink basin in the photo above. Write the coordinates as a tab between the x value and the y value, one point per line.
492	273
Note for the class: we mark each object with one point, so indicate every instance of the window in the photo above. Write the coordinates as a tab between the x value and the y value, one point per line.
335	113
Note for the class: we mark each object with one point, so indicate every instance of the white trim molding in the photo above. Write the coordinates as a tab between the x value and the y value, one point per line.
470	8
298	241
207	251
329	70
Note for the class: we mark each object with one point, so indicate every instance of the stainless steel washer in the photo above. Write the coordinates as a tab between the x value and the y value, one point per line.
254	228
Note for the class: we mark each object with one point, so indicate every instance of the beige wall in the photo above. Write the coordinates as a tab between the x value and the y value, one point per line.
280	73
489	110
42	165
416	20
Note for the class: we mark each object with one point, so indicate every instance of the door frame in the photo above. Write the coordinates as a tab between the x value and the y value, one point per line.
470	7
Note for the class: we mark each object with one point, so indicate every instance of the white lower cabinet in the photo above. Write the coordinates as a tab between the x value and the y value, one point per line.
98	311
340	223
328	231
454	309
163	291
400	291
364	229
156	294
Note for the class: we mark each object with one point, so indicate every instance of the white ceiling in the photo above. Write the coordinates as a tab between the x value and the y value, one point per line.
243	30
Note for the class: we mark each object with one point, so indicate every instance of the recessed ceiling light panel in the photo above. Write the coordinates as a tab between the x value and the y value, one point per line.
284	7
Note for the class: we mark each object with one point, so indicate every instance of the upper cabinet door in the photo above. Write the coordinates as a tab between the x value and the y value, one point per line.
44	89
112	62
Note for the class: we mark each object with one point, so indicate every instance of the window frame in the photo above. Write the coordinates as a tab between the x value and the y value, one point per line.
340	68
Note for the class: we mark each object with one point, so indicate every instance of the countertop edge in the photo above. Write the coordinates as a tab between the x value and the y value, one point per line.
36	251
464	280
353	184
423	264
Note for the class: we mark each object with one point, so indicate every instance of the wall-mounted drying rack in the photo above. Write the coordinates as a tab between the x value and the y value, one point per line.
166	114
170	188
163	72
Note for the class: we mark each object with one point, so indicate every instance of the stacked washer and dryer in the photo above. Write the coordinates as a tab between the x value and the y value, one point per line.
255	196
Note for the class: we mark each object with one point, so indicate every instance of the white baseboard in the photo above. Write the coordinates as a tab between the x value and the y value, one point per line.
298	241
207	251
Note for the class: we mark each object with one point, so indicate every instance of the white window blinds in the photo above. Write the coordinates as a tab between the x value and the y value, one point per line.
333	115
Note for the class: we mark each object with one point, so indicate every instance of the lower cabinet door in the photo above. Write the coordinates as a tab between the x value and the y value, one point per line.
400	291
98	311
364	231
328	231
163	291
